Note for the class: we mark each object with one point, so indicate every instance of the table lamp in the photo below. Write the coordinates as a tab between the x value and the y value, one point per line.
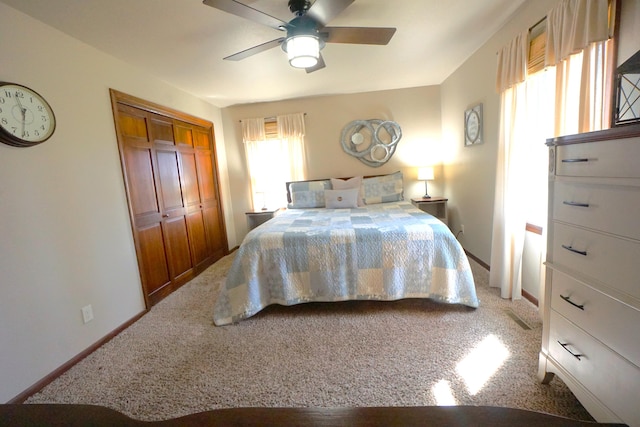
425	174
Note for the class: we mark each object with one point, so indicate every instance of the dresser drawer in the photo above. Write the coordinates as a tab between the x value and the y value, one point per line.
615	159
608	320
608	259
614	380
614	209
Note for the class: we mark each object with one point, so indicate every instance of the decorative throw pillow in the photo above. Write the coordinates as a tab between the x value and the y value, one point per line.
308	194
355	182
382	189
341	199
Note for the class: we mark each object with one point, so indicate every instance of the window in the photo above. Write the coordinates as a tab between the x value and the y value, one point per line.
554	79
275	155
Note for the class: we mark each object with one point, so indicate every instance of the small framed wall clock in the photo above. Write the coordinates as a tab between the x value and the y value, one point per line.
26	118
473	126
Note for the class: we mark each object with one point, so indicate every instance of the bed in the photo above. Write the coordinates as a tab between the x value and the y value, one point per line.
337	244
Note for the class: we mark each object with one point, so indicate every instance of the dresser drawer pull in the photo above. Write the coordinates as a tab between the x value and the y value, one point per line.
580	205
577	356
568	299
575	251
574	160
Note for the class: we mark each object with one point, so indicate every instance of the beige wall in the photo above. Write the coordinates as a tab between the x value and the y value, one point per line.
416	110
65	235
629	29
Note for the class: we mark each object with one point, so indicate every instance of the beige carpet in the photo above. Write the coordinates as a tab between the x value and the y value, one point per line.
174	361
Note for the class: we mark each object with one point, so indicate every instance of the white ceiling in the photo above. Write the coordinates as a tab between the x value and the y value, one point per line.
183	42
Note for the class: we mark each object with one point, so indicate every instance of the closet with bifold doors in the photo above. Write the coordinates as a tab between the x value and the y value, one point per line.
170	174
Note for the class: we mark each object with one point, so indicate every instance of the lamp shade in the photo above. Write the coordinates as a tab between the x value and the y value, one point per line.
425	174
303	51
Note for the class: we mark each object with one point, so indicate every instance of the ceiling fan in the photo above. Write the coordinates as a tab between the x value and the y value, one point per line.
306	33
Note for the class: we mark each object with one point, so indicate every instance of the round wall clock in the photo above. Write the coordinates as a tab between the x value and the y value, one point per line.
26	118
473	125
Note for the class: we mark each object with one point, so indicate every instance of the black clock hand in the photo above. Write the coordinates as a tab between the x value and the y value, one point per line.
23	111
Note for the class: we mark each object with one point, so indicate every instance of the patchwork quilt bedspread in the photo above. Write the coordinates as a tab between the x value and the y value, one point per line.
386	251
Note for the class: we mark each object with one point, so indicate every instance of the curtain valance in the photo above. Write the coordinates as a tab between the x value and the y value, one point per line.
291	125
512	62
287	125
571	26
253	129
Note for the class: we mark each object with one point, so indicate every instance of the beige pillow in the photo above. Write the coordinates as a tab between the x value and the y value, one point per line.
355	182
341	199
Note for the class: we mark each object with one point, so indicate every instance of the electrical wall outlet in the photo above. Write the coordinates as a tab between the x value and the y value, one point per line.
87	313
462	228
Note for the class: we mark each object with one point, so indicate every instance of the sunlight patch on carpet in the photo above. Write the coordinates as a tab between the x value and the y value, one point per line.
443	394
482	362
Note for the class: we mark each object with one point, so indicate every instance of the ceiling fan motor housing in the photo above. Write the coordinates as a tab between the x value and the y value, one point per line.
302	26
299	7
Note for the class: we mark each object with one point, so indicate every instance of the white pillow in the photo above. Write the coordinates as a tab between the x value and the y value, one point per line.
355	182
341	199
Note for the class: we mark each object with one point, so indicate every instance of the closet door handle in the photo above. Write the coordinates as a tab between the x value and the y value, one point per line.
580	205
575	251
568	299
165	216
565	345
579	160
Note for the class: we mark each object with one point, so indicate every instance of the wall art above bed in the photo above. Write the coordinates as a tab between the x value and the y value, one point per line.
373	141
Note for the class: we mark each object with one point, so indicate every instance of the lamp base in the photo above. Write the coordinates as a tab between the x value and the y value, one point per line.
426	191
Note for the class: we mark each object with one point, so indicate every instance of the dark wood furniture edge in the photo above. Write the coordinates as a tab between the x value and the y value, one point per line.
619	132
83	415
71	362
430	199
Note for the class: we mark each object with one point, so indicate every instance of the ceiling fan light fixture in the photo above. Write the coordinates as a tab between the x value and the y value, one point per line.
303	50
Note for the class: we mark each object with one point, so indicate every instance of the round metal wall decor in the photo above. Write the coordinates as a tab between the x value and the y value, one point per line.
373	142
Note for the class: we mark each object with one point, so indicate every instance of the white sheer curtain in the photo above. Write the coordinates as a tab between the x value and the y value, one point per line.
291	132
274	161
568	97
520	194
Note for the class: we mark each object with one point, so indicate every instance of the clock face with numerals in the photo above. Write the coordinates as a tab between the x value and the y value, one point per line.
25	117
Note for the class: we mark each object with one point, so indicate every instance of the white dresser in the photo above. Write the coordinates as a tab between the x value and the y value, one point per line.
591	303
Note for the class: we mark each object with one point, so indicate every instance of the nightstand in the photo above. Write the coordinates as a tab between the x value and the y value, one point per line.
255	218
436	206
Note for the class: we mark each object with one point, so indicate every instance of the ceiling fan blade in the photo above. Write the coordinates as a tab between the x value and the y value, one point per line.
323	11
243	11
358	35
320	65
254	50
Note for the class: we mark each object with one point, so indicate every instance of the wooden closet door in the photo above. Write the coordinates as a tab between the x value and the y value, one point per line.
200	251
140	179
199	245
171	183
209	199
